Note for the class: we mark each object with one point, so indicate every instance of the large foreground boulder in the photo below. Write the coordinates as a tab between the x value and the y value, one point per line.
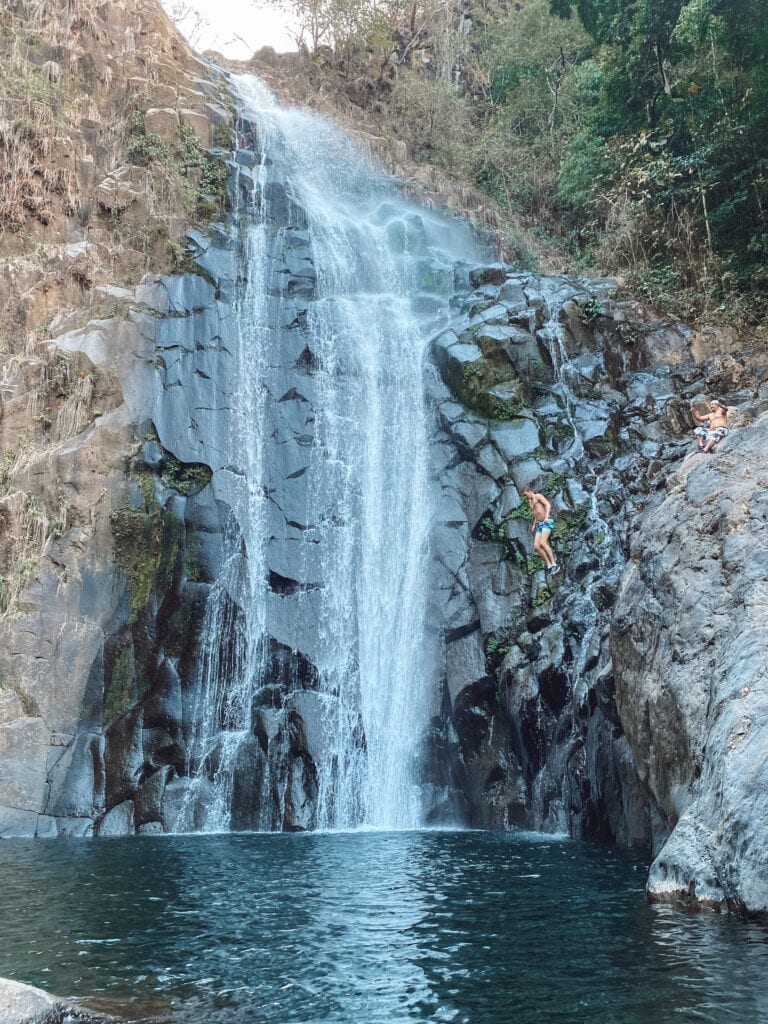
691	666
25	1004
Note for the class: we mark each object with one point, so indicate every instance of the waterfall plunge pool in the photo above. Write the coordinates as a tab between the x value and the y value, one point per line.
359	928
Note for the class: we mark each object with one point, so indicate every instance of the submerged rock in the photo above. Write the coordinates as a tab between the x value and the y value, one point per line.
25	1004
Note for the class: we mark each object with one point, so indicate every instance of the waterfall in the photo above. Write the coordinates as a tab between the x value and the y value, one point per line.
343	283
549	796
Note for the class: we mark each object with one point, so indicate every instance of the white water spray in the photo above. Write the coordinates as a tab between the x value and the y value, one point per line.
383	279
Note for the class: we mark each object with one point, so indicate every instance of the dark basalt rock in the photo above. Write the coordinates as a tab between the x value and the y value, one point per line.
597	442
566	702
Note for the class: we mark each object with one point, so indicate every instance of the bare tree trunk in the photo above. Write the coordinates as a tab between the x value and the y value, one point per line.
706	216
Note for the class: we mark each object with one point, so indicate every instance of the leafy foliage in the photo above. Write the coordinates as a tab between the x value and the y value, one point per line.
672	162
625	136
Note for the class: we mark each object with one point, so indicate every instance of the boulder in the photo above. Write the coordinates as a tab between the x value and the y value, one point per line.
691	671
199	124
25	1004
121	189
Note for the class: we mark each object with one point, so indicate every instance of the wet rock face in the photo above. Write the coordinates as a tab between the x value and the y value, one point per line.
654	737
536	735
689	654
186	515
109	747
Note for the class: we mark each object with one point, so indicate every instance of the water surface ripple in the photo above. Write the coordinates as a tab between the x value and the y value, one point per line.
368	927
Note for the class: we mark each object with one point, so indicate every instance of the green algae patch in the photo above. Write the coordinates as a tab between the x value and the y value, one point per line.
138	546
120	686
147	544
185	477
491	390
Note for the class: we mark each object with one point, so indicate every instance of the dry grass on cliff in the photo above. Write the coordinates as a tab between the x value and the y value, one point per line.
56	406
71	78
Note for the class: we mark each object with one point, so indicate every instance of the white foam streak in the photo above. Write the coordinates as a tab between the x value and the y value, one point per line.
370	511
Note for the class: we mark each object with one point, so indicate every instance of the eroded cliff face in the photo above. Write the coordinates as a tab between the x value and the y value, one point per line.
623	699
106	119
689	653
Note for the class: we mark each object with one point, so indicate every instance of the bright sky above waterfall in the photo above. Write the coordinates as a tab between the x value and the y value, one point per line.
235	28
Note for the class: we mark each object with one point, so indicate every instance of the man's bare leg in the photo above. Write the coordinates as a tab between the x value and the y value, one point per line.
543	550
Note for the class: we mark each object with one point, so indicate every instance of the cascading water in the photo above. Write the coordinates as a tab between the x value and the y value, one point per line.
228	672
549	795
329	554
554	335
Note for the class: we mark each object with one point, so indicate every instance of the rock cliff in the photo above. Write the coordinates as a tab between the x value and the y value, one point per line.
689	653
106	118
623	700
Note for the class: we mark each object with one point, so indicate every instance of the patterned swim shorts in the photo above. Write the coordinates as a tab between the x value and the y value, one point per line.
711	435
546	524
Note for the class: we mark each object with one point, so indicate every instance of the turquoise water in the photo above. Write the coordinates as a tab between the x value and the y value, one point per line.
368	927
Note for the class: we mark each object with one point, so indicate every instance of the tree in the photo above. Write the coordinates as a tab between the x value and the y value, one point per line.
339	23
538	92
683	105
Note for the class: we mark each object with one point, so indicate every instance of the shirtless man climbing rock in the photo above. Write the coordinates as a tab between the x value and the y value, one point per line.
542	526
716	425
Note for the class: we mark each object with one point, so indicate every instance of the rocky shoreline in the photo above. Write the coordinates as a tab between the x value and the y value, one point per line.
26	1004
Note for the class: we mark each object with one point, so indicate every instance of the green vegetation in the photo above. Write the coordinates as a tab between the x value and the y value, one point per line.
223	136
676	145
488	530
205	194
591	311
497	646
529	564
124	686
120	686
523	511
212	190
641	126
144	148
651	143
148	538
569	523
137	545
543	596
489	385
185	477
635	130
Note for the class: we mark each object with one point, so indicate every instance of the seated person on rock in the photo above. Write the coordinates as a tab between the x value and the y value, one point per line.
542	526
716	425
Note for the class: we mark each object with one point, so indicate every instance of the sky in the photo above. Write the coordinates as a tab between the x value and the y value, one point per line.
235	28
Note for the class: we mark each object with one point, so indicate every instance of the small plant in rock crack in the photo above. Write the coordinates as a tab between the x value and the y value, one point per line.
627	332
591	311
495	645
491	531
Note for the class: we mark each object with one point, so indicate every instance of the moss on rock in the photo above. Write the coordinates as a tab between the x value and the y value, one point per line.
490	390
